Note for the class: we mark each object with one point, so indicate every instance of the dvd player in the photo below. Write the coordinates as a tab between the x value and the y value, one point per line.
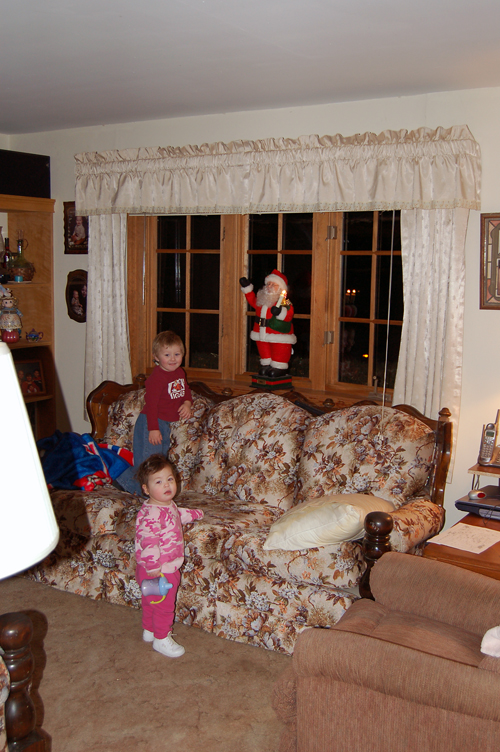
484	502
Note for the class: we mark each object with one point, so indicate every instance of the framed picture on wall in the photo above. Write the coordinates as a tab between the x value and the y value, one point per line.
490	261
76	230
30	375
76	295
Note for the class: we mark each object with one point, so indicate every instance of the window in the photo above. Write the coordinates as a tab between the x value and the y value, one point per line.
340	268
370	261
188	285
283	242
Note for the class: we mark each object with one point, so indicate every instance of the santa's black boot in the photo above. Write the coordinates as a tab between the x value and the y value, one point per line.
277	372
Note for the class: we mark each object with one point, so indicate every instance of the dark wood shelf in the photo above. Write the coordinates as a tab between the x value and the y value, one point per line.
37	398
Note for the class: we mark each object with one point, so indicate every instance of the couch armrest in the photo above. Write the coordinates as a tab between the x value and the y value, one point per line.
401	672
415	522
402	530
437	591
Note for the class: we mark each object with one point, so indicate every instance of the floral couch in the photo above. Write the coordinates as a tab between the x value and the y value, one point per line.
246	461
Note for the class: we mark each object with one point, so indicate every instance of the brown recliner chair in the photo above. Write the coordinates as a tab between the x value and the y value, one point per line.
399	673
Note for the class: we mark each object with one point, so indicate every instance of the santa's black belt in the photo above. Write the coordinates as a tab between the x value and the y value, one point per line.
261	322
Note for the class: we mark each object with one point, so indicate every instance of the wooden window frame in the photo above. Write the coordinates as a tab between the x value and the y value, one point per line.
325	306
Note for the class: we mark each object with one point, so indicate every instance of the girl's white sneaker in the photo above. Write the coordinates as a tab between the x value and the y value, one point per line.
168	647
147	636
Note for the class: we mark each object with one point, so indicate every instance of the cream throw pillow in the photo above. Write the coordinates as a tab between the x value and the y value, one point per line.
324	521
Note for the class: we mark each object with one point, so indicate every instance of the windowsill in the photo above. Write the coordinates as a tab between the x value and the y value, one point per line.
341	396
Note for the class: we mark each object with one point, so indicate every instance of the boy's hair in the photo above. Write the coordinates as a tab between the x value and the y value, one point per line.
167	339
151	465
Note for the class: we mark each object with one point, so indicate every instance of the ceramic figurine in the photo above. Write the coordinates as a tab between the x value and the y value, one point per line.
34	336
10	318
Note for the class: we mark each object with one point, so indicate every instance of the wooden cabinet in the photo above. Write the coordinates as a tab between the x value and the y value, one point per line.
34	217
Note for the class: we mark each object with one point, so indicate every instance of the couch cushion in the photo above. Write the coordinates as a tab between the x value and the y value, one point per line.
324	521
184	434
409	630
185	437
366	449
249	450
104	510
122	416
234	534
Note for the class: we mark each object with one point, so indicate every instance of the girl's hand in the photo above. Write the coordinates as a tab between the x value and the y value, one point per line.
155	437
185	411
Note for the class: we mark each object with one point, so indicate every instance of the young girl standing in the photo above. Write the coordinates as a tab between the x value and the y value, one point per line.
159	550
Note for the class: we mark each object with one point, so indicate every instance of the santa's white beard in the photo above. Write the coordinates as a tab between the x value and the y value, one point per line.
267	298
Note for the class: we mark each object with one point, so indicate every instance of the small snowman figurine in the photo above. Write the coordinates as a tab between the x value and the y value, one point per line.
10	316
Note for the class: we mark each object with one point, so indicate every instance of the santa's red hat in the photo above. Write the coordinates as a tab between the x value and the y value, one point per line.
278	277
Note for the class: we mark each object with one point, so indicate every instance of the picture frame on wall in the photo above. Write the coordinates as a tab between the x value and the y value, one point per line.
490	262
76	230
76	295
30	375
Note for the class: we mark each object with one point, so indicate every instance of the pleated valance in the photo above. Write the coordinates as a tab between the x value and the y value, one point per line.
420	169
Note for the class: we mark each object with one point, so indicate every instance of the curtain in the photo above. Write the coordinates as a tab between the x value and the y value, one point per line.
427	169
107	350
433	176
429	373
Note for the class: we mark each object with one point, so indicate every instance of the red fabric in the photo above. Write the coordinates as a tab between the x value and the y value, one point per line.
281	277
158	618
275	351
271	335
165	393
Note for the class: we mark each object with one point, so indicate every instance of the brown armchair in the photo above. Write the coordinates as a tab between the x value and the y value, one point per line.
401	672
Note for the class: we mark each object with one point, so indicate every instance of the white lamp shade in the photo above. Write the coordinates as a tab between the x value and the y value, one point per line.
28	526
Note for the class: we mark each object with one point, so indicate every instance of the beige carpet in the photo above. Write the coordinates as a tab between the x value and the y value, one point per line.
99	687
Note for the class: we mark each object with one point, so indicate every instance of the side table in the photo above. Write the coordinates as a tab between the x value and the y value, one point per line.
487	562
477	470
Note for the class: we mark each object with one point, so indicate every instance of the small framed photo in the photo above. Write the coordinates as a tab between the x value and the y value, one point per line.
76	230
490	262
76	295
30	375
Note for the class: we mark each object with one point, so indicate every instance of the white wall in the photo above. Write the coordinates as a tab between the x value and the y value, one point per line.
479	109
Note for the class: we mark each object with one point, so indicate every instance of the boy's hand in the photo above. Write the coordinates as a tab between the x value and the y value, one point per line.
185	411
154	437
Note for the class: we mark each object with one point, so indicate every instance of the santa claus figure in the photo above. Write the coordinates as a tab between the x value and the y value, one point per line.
273	328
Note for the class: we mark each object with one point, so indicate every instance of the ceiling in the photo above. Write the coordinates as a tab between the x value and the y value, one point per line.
68	63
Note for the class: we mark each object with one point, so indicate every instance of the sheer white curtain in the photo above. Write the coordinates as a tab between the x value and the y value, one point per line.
429	373
432	171
107	351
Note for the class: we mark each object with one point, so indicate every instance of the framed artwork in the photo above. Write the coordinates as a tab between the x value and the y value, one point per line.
490	261
76	295
30	375
76	230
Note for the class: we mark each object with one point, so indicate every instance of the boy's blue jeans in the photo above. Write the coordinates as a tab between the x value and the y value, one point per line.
142	450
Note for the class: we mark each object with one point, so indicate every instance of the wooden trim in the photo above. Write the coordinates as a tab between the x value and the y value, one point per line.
319	303
141	287
229	301
26	203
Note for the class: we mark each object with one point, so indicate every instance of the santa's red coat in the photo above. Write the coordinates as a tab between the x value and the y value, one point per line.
267	327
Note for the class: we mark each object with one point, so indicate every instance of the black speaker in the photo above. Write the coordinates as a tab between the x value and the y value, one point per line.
23	174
